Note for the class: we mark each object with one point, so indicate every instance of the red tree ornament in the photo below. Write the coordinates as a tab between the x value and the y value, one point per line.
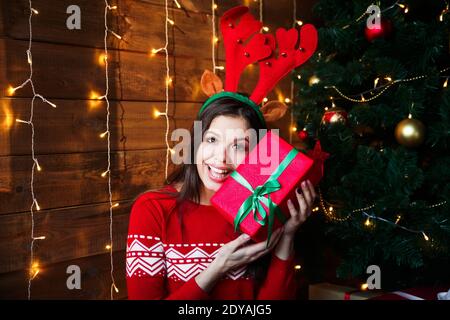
335	115
302	135
384	30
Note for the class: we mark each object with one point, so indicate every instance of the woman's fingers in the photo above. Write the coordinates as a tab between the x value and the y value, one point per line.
239	241
313	191
301	201
307	193
259	247
292	209
265	250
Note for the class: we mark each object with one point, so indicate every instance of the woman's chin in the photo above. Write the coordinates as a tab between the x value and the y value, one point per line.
213	186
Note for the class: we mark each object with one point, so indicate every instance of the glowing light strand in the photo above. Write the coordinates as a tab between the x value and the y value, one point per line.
291	123
384	88
108	134
213	42
34	270
166	113
261	4
331	216
382	11
394	224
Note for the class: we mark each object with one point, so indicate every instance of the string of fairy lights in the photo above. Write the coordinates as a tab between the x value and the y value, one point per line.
291	119
383	88
402	6
328	209
168	82
107	133
261	11
330	213
34	264
214	37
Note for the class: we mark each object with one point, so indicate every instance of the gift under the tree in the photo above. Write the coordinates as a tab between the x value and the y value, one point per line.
419	293
329	291
254	197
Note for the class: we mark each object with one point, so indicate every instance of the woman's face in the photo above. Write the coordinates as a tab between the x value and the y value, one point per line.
224	146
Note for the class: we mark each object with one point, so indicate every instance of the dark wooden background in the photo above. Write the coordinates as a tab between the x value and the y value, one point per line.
72	195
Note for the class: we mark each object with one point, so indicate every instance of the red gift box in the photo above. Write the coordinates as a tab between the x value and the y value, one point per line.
260	165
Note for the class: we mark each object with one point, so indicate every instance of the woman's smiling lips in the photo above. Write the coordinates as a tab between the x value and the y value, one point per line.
218	173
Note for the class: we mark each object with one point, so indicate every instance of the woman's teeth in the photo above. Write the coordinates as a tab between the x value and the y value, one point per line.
218	173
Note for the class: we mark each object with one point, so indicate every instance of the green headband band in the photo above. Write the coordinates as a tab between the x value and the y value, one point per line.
235	96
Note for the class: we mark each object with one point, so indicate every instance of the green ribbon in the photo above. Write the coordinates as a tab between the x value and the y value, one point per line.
255	201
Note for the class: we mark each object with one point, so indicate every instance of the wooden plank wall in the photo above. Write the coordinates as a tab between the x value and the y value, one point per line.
72	194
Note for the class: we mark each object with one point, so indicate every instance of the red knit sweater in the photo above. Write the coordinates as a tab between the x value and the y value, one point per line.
161	264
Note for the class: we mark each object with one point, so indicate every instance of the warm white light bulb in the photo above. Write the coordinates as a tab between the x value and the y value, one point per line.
375	82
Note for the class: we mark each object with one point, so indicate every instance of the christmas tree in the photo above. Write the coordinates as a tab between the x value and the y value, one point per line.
375	95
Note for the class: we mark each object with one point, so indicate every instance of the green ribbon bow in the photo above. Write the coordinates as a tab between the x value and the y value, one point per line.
255	201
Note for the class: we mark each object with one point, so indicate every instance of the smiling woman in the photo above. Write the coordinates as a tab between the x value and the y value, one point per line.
175	235
179	245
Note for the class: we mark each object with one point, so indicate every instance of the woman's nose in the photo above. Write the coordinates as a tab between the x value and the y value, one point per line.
221	154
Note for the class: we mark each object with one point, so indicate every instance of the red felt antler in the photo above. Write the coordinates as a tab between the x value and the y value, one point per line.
239	52
274	68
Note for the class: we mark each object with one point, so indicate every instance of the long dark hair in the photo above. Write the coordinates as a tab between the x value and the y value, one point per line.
187	173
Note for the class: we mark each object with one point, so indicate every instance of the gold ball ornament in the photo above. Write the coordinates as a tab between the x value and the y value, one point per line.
410	132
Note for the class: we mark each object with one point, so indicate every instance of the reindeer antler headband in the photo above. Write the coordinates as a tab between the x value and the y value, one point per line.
244	45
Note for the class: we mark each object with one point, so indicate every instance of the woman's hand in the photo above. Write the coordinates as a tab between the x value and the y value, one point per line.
305	200
233	255
285	246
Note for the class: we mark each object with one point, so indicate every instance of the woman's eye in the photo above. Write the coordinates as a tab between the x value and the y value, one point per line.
210	139
239	147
